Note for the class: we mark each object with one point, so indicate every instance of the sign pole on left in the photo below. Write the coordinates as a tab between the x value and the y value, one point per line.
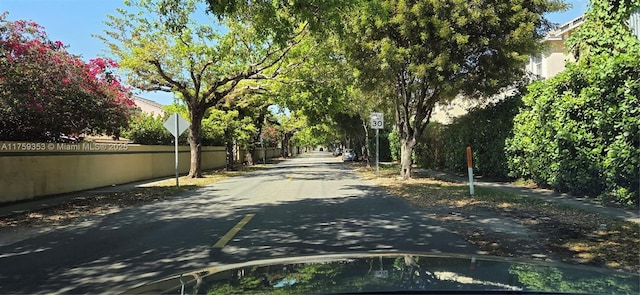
175	140
176	124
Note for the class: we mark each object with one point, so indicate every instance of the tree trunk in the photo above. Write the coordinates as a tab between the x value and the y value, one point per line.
195	142
365	147
228	141
248	155
286	137
251	150
406	160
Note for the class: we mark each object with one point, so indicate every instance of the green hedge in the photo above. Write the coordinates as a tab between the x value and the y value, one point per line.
430	150
394	145
579	131
485	129
385	150
147	129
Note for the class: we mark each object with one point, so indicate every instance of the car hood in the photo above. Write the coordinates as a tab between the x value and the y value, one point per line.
394	272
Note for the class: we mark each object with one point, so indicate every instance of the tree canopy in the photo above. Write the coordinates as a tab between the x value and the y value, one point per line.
430	51
348	57
175	46
280	18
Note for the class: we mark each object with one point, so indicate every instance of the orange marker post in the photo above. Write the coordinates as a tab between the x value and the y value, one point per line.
470	169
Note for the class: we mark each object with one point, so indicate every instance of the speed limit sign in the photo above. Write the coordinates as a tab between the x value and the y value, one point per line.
377	121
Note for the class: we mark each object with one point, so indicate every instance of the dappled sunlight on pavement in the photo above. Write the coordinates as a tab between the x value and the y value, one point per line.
308	205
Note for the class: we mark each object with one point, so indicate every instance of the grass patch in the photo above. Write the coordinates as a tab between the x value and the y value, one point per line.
561	232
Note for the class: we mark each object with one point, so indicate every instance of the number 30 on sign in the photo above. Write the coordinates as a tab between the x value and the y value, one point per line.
377	121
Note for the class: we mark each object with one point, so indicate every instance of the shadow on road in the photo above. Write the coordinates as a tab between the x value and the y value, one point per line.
119	251
337	225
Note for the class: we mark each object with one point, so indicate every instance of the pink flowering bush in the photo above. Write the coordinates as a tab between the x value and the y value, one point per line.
45	92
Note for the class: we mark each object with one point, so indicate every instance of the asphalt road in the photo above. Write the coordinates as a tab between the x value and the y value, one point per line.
308	205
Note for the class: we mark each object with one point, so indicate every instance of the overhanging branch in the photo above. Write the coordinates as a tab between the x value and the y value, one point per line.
153	88
166	77
255	71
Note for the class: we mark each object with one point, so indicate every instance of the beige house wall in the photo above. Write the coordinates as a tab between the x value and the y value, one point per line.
444	113
148	106
555	59
557	54
31	170
459	106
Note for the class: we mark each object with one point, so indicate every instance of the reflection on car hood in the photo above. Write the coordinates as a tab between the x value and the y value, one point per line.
394	272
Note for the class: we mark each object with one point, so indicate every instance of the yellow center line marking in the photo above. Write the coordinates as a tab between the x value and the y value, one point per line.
229	235
290	178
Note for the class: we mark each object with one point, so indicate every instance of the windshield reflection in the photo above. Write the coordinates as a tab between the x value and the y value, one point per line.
396	272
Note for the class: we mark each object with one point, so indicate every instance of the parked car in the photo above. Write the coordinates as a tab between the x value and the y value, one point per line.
337	152
349	155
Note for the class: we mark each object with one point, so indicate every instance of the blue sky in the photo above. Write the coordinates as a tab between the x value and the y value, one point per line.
74	21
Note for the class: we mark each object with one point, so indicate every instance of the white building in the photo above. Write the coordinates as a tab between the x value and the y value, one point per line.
148	106
553	60
548	64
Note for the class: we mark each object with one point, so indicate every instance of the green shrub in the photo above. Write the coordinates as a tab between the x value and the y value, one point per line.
385	151
430	150
148	129
579	131
485	129
394	145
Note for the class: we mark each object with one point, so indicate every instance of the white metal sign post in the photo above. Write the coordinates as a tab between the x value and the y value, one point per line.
377	123
470	169
176	124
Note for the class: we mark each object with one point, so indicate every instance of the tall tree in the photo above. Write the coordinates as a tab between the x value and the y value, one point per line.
318	87
45	92
164	47
314	135
433	50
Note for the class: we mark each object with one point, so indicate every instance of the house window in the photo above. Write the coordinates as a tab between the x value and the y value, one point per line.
634	23
536	65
